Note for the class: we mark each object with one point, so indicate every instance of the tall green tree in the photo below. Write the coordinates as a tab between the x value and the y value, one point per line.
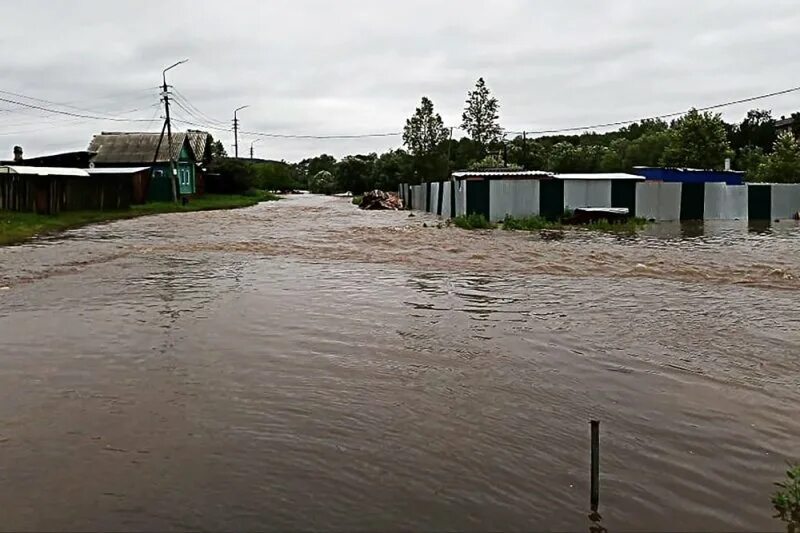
480	118
426	136
697	140
424	132
756	130
783	164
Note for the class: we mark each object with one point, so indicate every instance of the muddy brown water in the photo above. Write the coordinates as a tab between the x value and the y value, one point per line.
304	365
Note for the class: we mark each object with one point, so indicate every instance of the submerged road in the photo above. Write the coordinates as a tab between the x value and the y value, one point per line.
305	365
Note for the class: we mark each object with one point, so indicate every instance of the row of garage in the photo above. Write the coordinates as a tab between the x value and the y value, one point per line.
531	193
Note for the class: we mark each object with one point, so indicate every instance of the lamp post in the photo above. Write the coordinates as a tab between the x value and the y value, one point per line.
251	147
236	131
173	171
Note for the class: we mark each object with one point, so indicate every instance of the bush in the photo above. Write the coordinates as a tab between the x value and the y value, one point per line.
787	500
357	200
473	221
533	223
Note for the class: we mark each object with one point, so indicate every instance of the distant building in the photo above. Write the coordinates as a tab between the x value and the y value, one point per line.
124	149
787	124
77	159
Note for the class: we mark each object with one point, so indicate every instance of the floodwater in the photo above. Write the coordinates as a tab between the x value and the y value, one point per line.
305	365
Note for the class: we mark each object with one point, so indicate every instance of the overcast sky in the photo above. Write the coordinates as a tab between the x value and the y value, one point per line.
353	66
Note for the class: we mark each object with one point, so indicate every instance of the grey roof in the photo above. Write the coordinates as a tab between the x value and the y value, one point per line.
198	140
545	174
117	170
134	148
599	176
499	173
43	171
784	122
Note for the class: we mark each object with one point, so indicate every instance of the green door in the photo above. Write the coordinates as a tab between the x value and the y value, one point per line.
759	202
551	199
478	197
693	201
623	194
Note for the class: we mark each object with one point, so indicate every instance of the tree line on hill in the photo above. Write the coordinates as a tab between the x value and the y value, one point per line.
694	140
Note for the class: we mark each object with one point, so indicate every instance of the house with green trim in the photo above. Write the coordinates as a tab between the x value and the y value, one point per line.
127	149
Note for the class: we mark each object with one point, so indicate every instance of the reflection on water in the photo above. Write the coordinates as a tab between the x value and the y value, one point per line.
304	365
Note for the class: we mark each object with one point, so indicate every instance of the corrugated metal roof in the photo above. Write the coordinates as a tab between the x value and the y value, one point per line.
545	174
198	140
116	170
135	148
45	171
599	176
466	173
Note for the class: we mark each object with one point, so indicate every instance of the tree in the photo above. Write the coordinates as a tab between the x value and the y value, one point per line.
218	150
322	182
648	150
565	157
615	158
756	130
783	164
749	159
391	169
425	136
354	173
697	140
480	118
424	132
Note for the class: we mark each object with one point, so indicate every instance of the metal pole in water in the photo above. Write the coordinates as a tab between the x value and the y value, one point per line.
595	496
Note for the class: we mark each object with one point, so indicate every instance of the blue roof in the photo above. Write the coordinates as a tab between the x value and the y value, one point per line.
690	175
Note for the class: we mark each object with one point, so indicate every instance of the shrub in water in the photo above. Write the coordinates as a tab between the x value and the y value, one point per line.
787	500
472	221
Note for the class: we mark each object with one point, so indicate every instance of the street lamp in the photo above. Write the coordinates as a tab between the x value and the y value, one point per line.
236	130
174	171
164	72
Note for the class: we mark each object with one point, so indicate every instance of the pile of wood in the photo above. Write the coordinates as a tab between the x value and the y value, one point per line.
381	200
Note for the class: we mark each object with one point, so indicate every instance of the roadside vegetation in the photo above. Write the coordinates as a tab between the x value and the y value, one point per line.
17	227
473	221
357	200
786	500
538	223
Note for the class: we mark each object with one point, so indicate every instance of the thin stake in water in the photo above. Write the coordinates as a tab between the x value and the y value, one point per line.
595	496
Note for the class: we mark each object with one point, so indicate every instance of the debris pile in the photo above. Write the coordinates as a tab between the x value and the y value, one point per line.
381	200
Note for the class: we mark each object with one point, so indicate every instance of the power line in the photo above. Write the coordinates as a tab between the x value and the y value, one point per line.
45	119
353	136
70	114
194	110
68	105
660	117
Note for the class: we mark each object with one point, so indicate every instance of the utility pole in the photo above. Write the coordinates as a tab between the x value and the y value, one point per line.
524	150
173	170
236	131
449	143
251	147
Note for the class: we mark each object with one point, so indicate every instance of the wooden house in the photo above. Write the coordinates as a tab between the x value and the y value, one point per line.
121	150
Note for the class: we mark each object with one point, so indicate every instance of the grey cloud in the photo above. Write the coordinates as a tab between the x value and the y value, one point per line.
355	66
